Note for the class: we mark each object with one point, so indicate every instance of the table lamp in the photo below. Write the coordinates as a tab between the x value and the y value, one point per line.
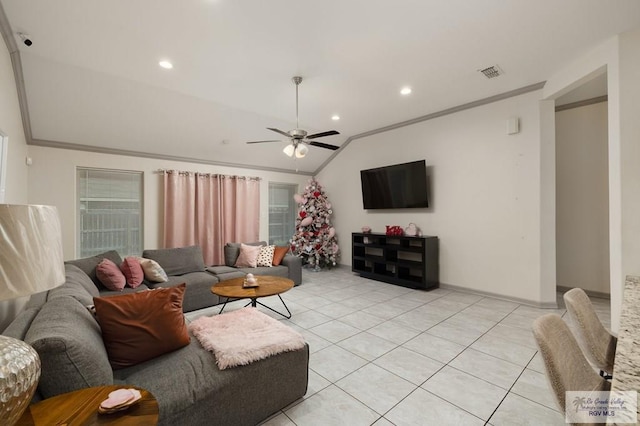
31	261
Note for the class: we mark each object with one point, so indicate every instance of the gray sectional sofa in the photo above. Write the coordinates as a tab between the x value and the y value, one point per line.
187	383
185	265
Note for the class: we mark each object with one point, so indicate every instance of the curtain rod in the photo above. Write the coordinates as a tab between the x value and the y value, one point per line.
207	175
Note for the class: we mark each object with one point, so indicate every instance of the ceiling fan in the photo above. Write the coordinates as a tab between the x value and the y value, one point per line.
298	137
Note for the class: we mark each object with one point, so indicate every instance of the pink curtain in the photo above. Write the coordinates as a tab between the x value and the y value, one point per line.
209	211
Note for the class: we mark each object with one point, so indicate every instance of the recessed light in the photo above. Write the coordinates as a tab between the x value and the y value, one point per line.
405	91
335	117
166	65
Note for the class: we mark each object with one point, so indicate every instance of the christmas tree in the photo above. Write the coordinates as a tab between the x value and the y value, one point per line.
315	239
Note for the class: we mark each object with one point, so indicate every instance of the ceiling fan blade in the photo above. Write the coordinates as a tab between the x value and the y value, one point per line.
323	134
324	145
279	131
274	140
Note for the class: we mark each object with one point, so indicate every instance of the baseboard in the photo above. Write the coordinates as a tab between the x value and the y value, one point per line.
533	303
590	293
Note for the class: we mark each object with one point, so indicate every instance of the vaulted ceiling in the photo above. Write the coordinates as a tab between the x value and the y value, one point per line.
92	79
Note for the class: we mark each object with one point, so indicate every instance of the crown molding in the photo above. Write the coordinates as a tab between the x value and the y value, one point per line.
453	110
10	41
141	154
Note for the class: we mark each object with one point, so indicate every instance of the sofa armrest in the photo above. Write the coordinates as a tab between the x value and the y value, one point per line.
294	263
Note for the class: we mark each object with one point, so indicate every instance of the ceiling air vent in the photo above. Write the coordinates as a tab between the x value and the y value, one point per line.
492	71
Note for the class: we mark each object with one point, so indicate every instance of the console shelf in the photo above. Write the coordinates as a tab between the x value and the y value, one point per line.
406	261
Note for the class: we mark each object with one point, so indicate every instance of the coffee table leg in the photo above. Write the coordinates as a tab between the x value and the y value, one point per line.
270	308
252	303
225	304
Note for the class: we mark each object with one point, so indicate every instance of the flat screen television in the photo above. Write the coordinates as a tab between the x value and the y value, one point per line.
400	186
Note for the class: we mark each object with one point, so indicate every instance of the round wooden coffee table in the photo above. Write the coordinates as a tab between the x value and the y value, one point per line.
81	408
267	286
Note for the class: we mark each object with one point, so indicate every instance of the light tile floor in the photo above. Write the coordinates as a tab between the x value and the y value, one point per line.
388	355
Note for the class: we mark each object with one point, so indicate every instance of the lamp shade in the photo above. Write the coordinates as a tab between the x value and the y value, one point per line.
31	258
30	262
289	150
301	151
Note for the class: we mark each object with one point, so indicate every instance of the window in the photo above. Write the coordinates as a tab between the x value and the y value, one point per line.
282	213
109	211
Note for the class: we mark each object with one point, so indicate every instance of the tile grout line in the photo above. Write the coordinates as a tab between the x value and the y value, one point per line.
384	320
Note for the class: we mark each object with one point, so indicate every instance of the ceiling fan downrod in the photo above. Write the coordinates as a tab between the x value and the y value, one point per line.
297	80
299	138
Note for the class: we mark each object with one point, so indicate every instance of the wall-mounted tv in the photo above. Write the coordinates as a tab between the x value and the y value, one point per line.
400	186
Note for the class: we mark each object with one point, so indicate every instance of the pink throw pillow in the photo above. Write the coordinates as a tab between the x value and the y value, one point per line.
132	271
110	275
248	257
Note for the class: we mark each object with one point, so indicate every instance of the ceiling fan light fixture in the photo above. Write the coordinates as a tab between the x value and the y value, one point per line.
301	151
289	150
300	139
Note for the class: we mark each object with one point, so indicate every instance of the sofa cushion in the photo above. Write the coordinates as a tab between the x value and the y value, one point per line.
77	285
132	271
224	273
178	261
126	290
248	257
110	275
137	327
232	251
265	256
206	395
278	271
69	344
88	264
198	294
278	254
153	271
231	275
217	270
20	324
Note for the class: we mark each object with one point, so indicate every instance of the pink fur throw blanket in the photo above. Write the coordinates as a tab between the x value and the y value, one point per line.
243	336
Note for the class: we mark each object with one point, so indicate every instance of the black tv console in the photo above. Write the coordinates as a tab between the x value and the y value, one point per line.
406	261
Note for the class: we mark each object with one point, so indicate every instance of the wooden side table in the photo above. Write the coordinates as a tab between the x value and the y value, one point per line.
80	408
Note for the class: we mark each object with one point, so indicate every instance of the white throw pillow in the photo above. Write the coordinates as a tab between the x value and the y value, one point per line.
265	257
153	271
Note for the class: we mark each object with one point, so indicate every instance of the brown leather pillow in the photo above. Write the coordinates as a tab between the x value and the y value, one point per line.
137	327
278	255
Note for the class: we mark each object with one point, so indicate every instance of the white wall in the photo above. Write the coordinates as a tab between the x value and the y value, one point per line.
620	58
485	194
11	126
16	184
630	152
582	198
602	58
53	181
